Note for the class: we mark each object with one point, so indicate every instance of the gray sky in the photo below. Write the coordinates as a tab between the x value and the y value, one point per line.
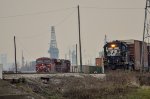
30	21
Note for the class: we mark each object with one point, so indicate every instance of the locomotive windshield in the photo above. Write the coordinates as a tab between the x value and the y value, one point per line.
47	61
39	61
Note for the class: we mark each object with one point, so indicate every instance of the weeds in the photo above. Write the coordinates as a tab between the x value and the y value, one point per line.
116	85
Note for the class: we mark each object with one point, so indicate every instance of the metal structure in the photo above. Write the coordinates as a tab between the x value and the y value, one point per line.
53	50
146	35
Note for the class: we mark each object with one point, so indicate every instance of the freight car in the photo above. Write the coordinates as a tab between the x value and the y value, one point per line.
62	65
45	64
125	54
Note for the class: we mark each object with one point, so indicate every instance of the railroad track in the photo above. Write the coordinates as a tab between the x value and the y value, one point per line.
38	75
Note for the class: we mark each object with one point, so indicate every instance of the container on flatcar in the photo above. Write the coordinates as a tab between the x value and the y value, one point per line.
91	69
99	61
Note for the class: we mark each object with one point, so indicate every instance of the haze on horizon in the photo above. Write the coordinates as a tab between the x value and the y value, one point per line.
31	21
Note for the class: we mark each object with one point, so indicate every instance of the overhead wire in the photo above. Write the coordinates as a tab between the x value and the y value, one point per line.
57	24
33	36
62	21
36	13
65	18
111	8
57	10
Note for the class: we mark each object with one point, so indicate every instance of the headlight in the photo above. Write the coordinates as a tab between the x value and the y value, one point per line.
113	45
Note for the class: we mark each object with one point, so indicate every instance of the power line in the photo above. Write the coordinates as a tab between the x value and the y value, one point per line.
36	13
112	8
33	36
68	16
57	10
57	24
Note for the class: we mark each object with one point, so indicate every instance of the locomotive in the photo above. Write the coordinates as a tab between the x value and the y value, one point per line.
45	65
116	56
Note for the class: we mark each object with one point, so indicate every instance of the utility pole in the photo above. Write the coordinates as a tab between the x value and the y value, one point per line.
15	54
80	40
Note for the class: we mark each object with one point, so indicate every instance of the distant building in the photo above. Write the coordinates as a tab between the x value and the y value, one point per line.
74	58
1	71
3	60
29	66
53	50
32	65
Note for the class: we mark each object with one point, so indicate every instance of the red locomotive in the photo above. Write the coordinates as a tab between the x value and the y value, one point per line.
45	64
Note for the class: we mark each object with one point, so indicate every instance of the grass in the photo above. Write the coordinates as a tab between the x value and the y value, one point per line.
139	94
116	85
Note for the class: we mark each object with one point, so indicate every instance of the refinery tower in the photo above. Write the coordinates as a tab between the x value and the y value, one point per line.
53	50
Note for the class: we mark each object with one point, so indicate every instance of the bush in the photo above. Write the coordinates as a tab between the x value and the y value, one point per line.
144	79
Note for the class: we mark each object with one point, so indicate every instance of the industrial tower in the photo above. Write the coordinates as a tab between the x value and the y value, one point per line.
146	34
53	50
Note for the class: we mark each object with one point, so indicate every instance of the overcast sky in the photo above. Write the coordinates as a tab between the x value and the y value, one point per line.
31	20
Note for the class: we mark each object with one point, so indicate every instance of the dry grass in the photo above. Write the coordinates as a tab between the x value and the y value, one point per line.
116	85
